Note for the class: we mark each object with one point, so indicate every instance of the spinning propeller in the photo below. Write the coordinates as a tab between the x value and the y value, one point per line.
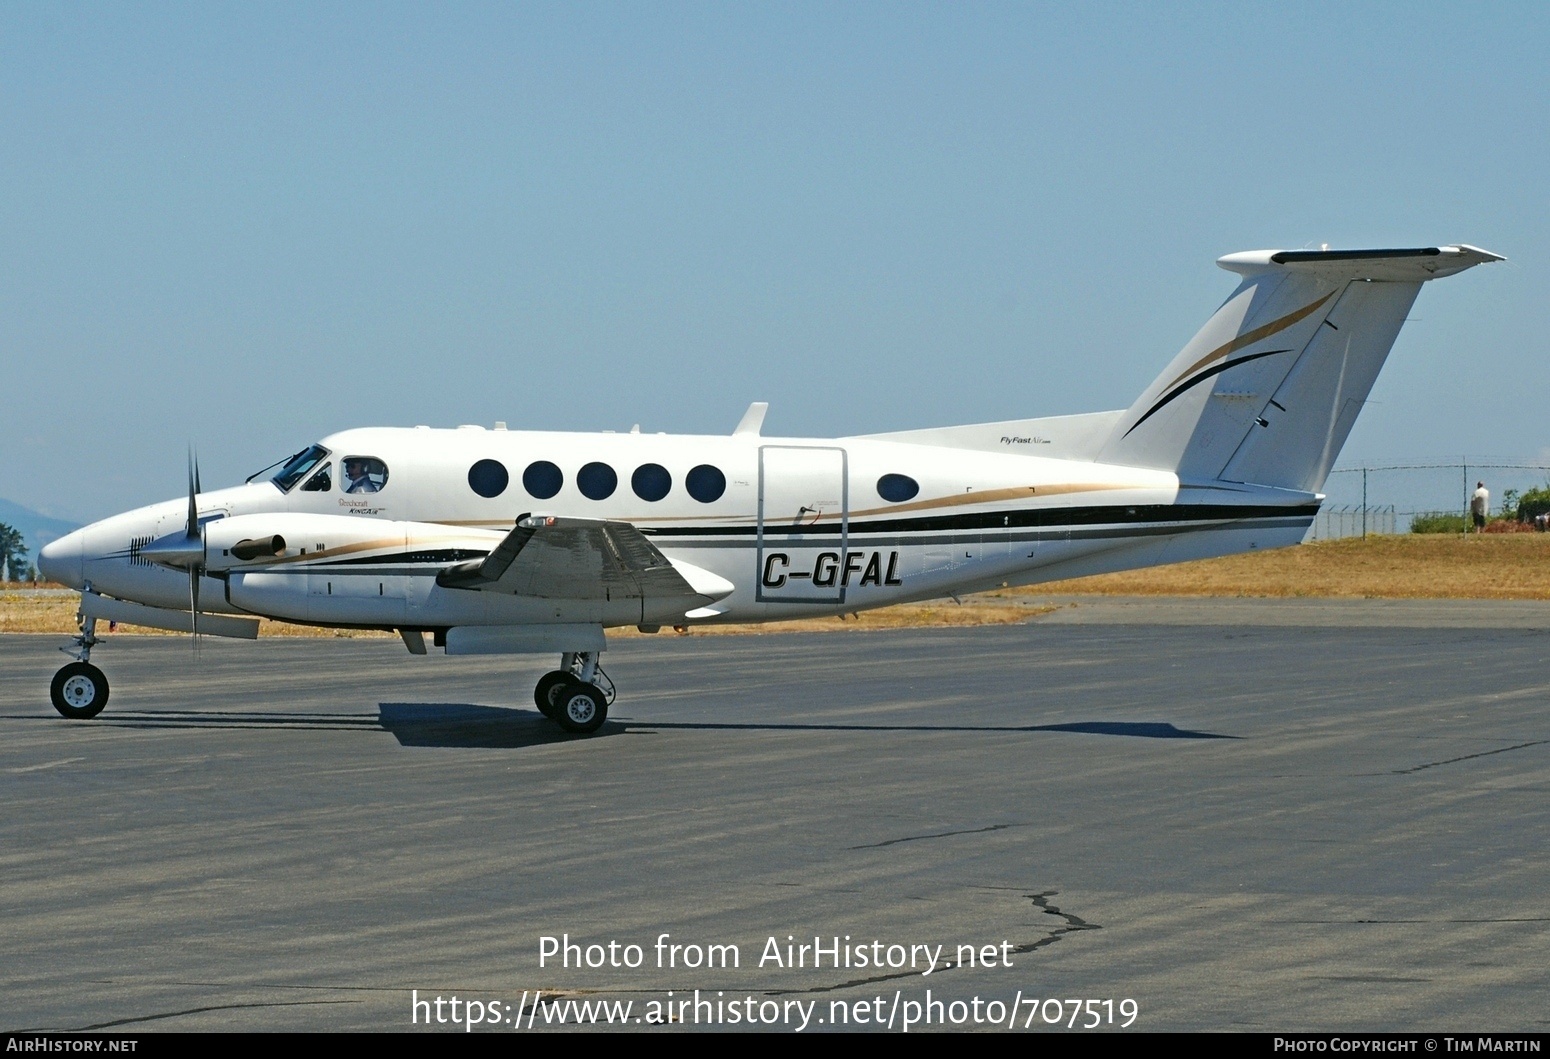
193	532
187	551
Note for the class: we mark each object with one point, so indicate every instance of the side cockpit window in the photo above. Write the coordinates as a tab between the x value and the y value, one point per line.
364	474
320	482
298	466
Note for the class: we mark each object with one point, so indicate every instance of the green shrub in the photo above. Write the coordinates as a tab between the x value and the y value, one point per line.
1533	502
1437	522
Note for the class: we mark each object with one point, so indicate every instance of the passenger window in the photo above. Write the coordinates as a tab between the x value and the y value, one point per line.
897	488
321	482
597	481
488	478
651	481
542	479
706	483
364	474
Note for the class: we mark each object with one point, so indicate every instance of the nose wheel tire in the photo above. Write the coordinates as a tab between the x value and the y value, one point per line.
79	691
548	688
580	708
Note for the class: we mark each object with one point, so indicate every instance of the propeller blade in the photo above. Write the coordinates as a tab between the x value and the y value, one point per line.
193	602
194	533
193	494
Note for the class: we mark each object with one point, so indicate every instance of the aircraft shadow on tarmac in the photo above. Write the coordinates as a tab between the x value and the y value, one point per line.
463	724
447	724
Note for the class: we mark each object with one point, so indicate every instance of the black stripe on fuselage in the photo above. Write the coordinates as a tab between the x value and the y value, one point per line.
366	567
1137	520
970	538
1050	517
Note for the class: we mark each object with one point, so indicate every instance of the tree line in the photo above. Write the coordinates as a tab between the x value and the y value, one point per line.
13	556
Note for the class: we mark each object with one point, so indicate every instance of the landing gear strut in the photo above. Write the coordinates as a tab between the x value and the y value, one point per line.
80	690
577	695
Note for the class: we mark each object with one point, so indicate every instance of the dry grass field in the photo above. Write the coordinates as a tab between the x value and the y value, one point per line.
1418	566
1497	566
25	611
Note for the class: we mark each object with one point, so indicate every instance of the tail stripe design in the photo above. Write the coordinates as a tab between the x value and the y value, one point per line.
1279	421
1248	338
1202	377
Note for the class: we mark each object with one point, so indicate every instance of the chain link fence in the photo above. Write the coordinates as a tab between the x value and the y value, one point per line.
1386	499
1335	522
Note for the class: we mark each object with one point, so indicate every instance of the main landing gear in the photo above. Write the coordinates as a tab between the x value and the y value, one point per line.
80	690
577	695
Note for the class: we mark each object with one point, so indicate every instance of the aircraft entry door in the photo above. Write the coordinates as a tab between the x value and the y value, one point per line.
803	524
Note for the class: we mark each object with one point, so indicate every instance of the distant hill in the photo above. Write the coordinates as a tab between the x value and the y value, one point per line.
37	529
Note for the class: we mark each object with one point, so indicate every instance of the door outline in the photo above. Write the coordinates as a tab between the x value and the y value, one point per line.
838	598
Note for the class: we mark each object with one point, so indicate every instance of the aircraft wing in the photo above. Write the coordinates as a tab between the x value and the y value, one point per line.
577	558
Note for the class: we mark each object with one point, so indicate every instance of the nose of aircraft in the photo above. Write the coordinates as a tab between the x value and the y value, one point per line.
61	560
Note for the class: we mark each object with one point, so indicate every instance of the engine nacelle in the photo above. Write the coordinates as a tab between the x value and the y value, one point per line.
286	539
336	569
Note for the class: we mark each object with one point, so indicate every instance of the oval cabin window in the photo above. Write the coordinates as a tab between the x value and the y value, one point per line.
542	479
488	478
897	488
363	474
597	481
651	481
706	483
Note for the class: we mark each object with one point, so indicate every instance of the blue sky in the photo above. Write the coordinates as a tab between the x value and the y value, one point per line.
247	226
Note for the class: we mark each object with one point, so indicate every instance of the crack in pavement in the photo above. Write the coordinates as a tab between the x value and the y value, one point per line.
189	1011
1074	923
942	834
1467	757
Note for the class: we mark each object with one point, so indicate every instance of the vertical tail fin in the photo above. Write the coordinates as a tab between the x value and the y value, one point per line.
1269	388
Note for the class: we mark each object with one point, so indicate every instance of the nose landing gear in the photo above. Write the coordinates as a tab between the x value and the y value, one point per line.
80	690
577	695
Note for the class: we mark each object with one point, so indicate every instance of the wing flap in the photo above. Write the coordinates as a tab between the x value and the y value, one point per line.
549	557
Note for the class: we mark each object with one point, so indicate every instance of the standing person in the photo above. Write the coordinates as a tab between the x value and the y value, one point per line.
1480	506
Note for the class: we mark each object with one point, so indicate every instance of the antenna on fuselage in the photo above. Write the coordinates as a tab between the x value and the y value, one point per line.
753	419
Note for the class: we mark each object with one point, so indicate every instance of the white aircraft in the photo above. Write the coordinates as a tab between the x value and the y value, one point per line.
505	541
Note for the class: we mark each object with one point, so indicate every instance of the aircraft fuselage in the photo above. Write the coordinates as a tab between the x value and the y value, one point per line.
800	527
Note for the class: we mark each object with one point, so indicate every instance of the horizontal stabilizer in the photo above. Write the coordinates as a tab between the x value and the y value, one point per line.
1411	265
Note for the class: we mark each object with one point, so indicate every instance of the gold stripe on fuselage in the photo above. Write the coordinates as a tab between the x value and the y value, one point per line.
973	498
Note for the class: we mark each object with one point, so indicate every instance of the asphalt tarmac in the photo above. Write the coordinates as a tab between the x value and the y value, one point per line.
1232	818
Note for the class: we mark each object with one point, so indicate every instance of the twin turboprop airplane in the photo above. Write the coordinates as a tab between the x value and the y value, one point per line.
519	542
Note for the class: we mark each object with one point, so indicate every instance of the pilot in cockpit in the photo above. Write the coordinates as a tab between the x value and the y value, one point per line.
358	478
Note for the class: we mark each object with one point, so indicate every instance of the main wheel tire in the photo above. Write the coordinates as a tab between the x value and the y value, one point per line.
548	686
79	691
581	708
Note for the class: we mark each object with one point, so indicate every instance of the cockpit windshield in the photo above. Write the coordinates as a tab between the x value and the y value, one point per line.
297	467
